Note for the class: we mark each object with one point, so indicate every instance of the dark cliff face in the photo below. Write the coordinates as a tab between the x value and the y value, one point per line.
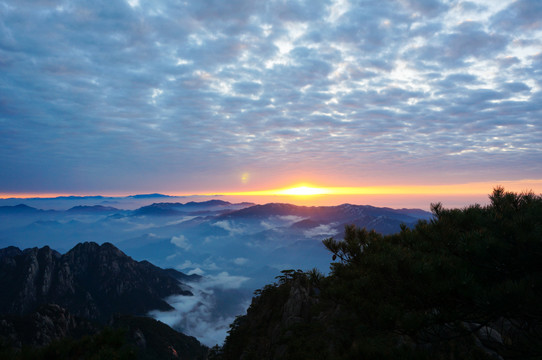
50	322
53	331
295	320
155	340
90	280
285	321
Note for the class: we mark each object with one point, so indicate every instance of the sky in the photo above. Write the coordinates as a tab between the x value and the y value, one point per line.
208	96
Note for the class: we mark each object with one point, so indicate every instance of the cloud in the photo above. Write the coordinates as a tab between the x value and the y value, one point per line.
196	271
240	261
181	242
172	256
224	281
430	8
108	97
275	222
520	14
186	264
180	221
322	231
199	267
465	42
230	227
205	315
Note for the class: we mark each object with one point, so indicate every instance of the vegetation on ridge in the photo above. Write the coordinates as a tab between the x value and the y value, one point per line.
467	284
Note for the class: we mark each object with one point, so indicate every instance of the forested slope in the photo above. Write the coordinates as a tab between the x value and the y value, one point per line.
465	285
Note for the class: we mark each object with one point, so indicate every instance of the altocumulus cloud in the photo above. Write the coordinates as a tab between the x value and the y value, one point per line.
107	94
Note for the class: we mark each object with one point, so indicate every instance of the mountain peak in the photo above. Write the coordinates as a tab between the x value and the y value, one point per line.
147	196
10	251
90	280
18	209
91	209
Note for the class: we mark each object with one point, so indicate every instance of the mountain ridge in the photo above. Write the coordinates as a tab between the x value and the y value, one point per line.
93	281
246	209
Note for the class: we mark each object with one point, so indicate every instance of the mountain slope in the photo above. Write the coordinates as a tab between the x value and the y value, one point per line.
172	209
343	212
20	209
52	332
381	219
467	285
95	209
90	280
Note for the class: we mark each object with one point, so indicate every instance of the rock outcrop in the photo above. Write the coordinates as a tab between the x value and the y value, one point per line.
90	280
53	330
87	299
280	316
49	323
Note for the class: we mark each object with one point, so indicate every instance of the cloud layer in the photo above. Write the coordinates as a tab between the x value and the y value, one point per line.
203	315
198	95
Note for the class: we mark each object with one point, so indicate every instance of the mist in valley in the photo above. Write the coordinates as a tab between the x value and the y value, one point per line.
235	248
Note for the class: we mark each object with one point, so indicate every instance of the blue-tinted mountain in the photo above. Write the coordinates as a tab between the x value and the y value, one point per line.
149	196
20	209
176	274
94	209
340	212
204	207
380	219
160	209
76	197
305	224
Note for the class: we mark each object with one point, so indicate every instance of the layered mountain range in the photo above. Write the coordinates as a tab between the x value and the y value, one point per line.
466	285
344	212
238	247
157	231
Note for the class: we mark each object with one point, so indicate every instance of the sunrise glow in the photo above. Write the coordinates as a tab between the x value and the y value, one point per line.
303	191
455	189
307	191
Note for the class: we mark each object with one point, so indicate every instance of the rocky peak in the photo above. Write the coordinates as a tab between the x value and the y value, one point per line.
272	318
10	251
91	280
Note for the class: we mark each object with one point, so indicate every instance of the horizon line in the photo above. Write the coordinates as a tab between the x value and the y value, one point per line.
306	190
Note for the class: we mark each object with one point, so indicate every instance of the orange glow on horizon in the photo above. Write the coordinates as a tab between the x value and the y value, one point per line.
305	190
456	189
31	195
55	195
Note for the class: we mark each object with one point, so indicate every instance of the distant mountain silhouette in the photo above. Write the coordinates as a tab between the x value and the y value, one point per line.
95	209
171	209
76	197
148	196
160	209
381	219
21	209
305	224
